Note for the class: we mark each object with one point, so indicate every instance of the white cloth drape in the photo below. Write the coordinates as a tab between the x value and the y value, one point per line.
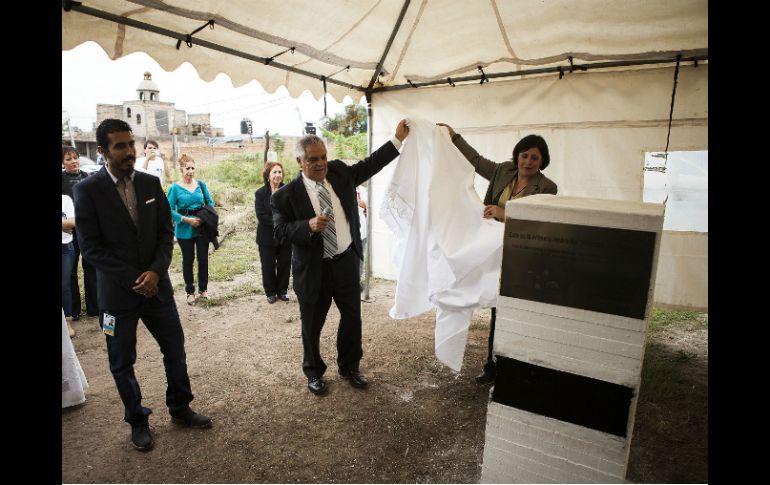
448	255
73	380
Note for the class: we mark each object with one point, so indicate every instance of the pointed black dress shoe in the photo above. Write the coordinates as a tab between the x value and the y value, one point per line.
316	385
141	437
357	379
283	297
485	377
191	419
272	299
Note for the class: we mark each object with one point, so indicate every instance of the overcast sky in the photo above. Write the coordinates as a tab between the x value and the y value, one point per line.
90	77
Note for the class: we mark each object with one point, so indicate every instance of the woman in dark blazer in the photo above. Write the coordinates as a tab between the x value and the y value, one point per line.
275	256
514	179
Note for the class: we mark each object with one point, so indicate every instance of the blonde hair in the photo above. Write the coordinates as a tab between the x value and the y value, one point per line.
183	159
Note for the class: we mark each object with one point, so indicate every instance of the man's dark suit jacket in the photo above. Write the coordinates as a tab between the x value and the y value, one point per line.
209	224
292	210
118	249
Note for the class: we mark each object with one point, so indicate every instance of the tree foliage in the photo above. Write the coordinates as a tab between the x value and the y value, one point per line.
352	147
277	143
347	123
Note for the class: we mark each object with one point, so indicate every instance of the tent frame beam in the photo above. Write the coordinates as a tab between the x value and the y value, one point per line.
387	46
694	57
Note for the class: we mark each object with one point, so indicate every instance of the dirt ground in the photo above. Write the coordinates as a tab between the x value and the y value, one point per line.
417	422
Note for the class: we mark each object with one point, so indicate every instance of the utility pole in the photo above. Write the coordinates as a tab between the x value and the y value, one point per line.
369	204
174	147
67	125
267	144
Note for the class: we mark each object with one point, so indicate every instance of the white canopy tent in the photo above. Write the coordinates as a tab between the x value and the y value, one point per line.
594	77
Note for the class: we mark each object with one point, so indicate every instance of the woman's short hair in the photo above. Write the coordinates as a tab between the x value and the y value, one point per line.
65	149
532	141
266	172
184	159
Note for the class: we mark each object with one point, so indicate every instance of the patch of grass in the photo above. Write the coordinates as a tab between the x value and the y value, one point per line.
235	293
241	170
238	253
662	377
236	256
233	181
681	319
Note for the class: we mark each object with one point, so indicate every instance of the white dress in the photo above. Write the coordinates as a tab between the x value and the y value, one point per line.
73	380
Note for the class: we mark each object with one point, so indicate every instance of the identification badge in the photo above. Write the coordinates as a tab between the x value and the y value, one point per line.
108	325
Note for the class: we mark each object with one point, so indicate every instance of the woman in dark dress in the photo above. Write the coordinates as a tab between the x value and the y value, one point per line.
275	256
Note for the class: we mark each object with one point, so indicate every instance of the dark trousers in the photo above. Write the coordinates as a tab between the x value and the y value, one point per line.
89	284
489	366
67	255
162	320
189	246
340	283
276	264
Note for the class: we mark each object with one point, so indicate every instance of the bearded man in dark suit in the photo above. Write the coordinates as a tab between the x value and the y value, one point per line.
318	213
124	230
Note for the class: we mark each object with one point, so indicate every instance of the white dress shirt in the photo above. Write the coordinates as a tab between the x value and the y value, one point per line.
341	224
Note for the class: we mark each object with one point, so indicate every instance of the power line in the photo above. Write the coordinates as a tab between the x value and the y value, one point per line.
221	100
239	112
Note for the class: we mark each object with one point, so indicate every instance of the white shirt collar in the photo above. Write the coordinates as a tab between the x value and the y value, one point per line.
310	183
114	178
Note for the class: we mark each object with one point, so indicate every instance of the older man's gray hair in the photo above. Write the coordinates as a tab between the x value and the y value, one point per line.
306	141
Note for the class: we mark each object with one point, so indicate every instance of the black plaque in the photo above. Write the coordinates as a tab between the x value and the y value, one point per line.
594	268
580	400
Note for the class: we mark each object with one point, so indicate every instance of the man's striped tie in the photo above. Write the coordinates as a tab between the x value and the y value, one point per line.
330	233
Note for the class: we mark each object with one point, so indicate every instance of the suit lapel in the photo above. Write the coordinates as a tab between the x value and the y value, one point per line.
142	195
304	206
534	186
508	174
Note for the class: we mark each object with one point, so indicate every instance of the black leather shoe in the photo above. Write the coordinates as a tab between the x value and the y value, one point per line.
485	377
272	299
283	297
75	318
191	419
141	437
316	385
357	379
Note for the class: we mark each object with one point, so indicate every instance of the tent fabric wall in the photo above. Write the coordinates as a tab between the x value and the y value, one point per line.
683	279
598	127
